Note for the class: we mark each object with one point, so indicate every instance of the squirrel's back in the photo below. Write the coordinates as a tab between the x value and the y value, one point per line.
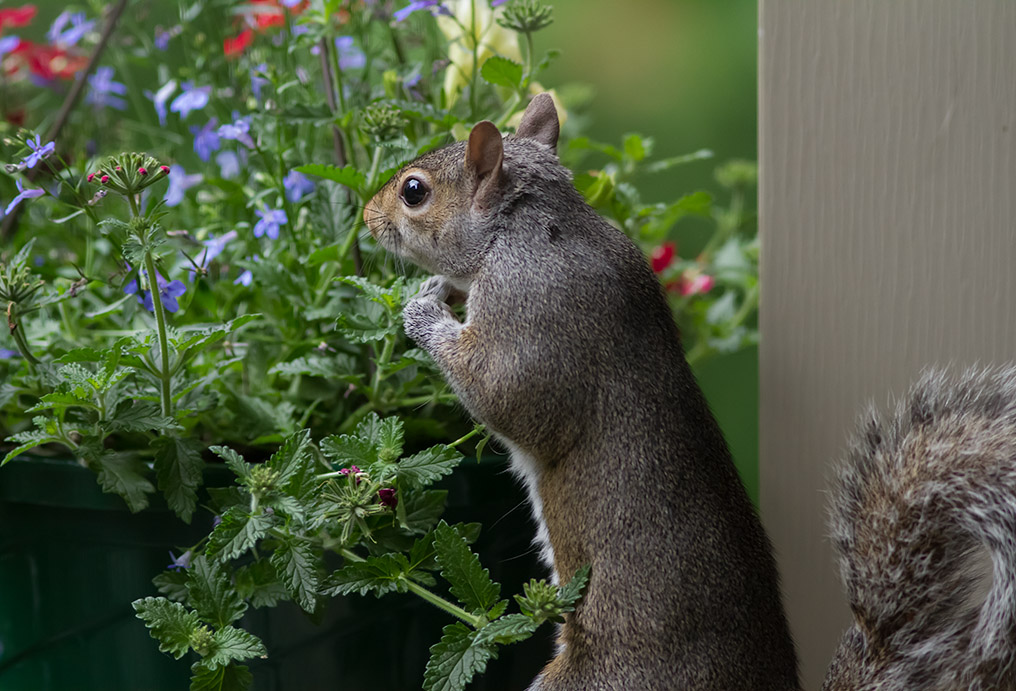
924	493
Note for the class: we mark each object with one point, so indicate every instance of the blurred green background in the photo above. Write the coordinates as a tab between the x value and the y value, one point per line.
684	73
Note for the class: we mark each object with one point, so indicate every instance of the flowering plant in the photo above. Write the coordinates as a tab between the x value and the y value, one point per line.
216	299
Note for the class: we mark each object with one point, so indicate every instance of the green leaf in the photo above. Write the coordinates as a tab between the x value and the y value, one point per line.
228	678
501	71
470	582
424	509
508	629
428	466
82	355
170	623
231	644
178	466
124	474
456	659
259	583
172	584
381	575
570	593
347	450
290	461
295	562
238	532
29	440
212	595
139	416
385	435
350	176
234	461
636	148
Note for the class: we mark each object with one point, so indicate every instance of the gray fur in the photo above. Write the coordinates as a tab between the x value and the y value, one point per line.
921	493
570	354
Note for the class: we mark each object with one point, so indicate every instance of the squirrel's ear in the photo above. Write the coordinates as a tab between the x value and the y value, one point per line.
540	121
484	154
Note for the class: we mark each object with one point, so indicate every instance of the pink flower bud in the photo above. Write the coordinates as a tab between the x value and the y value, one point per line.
142	171
104	179
118	169
164	169
91	176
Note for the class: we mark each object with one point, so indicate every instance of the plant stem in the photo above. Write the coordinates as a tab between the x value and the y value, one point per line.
473	620
21	342
467	437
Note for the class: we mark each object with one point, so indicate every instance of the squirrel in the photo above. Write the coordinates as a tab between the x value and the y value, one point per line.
920	495
569	353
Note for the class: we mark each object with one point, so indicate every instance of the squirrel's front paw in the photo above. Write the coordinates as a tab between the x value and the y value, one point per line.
423	317
435	288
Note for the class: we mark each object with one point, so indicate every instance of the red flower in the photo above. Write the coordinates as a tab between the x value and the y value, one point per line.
388	497
49	62
17	16
233	47
662	256
692	283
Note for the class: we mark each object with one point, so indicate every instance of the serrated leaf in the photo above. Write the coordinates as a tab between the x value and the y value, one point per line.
422	469
424	509
469	581
178	466
259	583
172	584
349	176
170	623
228	678
570	593
82	355
456	659
636	148
381	575
237	533
508	629
139	416
29	440
295	562
124	474
212	595
234	461
345	450
501	71
59	399
291	459
232	644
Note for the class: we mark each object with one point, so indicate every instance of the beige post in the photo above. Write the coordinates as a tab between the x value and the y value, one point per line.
887	142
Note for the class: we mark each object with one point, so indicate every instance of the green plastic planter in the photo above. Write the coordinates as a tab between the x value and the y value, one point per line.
72	559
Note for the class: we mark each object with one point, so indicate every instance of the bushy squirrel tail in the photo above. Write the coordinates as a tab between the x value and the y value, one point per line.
923	521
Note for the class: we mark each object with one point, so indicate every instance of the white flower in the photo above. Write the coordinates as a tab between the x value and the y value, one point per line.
465	32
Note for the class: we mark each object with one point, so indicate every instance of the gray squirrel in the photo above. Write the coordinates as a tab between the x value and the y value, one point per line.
570	355
921	494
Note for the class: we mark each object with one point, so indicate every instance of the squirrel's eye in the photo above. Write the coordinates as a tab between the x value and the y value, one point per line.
414	192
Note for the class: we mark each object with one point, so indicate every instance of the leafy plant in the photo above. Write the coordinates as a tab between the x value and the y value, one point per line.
215	299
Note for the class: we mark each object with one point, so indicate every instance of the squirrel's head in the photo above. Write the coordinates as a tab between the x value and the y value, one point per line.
440	211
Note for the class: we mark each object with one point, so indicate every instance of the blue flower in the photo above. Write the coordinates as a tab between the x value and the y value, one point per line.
39	152
246	277
238	130
193	98
206	139
160	97
162	36
350	57
435	6
179	182
24	194
169	292
11	354
229	164
269	224
104	90
297	186
70	37
257	82
181	563
7	44
213	248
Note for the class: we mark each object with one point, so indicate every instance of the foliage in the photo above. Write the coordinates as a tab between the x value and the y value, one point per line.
216	299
